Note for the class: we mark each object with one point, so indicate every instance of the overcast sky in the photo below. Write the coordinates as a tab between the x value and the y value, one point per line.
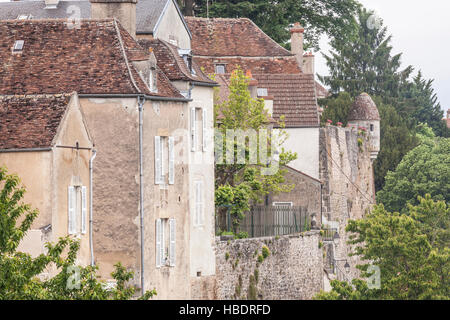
421	30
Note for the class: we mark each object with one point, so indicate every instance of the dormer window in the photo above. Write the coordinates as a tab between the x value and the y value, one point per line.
152	80
262	92
24	17
220	68
18	46
187	57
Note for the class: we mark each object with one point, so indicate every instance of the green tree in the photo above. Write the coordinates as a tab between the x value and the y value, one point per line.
334	18
397	139
412	265
425	169
366	63
336	108
239	185
19	272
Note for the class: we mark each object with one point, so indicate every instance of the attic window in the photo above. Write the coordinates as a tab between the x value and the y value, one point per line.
262	92
24	17
152	81
18	46
187	57
220	68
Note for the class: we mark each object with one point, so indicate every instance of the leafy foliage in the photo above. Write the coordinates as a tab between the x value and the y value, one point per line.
413	263
336	108
21	275
334	18
425	169
366	63
238	185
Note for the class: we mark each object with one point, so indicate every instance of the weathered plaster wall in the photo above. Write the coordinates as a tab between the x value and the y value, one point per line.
171	26
293	270
304	141
306	192
348	191
201	168
113	124
167	201
71	167
35	171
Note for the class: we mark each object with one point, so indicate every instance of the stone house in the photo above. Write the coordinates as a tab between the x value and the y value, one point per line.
44	139
152	208
283	79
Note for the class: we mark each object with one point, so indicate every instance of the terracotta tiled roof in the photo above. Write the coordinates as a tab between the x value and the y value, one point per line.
57	57
293	96
172	64
363	109
148	12
30	121
287	65
321	91
224	37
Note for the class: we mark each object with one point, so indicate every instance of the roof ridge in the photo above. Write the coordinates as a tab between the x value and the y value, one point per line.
37	96
124	53
55	20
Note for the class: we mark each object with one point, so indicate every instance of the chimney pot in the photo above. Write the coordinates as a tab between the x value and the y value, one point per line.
297	43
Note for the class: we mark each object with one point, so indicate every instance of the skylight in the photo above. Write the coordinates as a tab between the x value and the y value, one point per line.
262	92
18	45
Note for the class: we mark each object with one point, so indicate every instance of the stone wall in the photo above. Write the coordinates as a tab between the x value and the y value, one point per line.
346	171
293	270
306	192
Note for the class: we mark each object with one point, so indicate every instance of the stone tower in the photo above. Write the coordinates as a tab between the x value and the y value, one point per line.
364	113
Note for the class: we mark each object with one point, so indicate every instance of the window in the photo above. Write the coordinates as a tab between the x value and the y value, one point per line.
77	209
24	17
262	92
220	68
282	204
187	58
199	119
199	204
371	127
152	80
173	40
18	45
165	242
162	158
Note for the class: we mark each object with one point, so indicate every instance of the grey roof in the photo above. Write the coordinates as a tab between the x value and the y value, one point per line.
148	12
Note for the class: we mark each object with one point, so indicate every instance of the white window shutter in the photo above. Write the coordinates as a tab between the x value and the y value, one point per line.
193	136
204	122
71	196
171	161
172	252
83	210
158	160
158	243
163	247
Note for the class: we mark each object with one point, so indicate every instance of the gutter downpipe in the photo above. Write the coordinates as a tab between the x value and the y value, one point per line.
141	100
91	215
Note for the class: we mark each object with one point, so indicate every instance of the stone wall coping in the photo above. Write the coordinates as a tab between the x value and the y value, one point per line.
288	236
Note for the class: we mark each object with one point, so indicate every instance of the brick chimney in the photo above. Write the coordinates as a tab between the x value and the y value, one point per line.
308	63
297	43
123	10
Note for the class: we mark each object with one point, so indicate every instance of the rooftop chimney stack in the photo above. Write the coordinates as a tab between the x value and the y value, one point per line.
308	63
297	43
123	10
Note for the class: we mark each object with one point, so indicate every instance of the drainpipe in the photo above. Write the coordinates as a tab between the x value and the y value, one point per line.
141	101
91	244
